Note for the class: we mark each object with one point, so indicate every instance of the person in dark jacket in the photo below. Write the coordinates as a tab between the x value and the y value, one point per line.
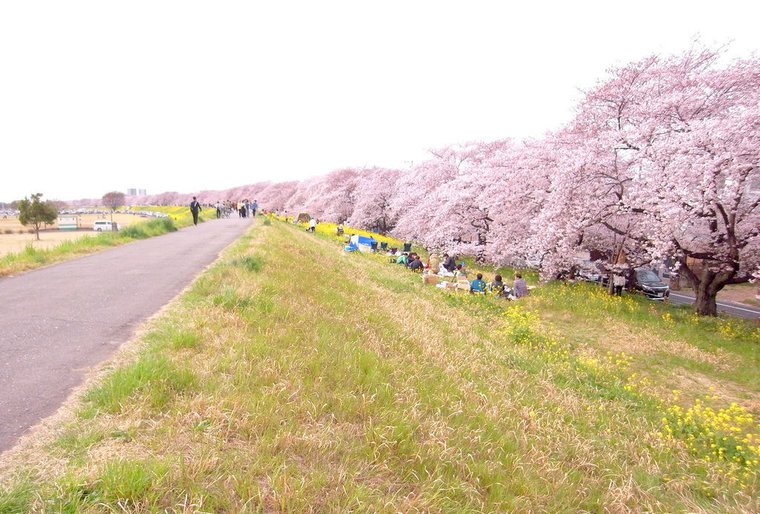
449	263
195	208
416	263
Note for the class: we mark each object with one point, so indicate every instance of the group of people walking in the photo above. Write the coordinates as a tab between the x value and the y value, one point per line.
245	209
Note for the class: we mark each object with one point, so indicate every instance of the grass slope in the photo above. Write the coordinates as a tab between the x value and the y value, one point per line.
294	378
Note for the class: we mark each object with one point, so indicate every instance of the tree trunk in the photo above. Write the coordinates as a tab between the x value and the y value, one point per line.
706	304
706	284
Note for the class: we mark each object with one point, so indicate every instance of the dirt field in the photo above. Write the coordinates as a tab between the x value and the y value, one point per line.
19	235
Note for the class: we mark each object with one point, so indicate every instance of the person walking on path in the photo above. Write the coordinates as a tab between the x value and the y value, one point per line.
195	208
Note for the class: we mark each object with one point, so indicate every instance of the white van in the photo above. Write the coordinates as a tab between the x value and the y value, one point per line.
105	226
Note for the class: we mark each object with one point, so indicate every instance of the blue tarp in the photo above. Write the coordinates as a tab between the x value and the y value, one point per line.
362	240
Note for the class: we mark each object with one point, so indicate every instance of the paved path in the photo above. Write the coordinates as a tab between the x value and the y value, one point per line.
738	310
57	322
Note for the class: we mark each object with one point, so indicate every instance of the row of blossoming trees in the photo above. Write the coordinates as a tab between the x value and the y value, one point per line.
660	161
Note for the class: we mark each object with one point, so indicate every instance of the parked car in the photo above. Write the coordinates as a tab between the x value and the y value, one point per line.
649	283
105	226
589	271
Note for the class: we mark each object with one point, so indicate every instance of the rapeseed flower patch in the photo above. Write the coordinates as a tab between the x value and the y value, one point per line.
729	434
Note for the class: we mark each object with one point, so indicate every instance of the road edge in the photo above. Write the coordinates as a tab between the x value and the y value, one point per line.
46	430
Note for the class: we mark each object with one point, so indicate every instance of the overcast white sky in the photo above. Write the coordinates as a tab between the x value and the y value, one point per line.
183	95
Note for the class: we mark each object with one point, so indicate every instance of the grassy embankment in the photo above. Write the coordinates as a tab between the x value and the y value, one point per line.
292	377
32	257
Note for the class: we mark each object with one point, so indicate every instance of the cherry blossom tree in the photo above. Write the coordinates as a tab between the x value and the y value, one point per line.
419	206
658	164
695	187
275	196
374	192
334	199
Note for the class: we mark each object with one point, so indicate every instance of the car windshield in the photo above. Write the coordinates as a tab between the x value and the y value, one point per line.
646	275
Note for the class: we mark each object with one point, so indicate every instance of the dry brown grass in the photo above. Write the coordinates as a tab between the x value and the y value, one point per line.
20	237
614	335
331	382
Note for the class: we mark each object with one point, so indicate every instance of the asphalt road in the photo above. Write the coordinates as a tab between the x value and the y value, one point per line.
58	322
734	309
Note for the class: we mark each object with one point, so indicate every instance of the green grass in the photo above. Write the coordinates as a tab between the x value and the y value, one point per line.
153	380
148	229
293	377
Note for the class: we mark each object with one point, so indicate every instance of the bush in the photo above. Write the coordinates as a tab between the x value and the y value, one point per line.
149	228
249	262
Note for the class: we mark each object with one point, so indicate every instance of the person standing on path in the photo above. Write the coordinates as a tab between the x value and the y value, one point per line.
195	208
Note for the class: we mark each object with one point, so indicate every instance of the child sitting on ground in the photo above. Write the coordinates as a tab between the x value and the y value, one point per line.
477	285
497	287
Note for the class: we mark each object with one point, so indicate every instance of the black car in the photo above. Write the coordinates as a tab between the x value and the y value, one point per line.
646	281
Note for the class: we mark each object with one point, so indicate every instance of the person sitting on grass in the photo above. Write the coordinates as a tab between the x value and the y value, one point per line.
520	288
444	272
401	259
497	287
416	263
477	285
459	271
448	263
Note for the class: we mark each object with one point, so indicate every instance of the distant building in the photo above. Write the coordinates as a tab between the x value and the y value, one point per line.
136	192
142	192
131	192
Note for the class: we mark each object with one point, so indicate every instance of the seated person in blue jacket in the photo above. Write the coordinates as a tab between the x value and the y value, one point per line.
477	285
